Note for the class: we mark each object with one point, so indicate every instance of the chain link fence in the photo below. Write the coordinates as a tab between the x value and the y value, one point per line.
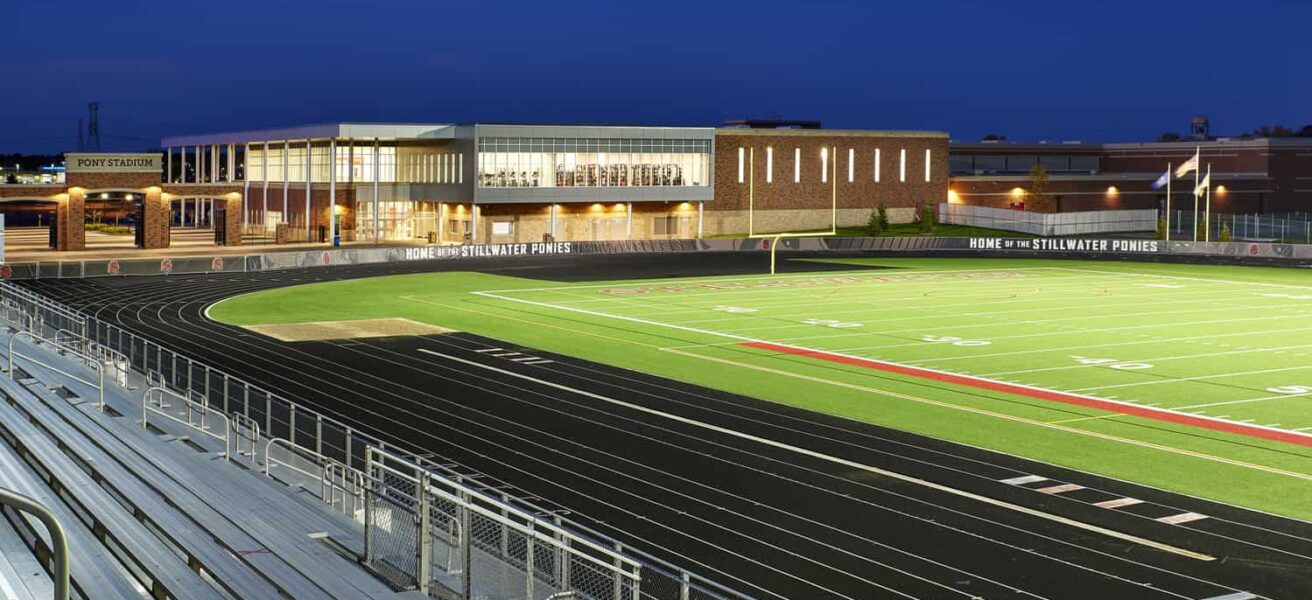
428	527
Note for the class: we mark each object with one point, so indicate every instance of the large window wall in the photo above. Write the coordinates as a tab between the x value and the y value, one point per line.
351	166
565	162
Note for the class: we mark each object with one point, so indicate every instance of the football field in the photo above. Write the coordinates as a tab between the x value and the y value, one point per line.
1232	351
1191	378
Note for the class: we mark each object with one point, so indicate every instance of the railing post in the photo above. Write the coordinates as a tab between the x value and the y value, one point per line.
685	590
618	586
425	548
528	560
58	543
466	547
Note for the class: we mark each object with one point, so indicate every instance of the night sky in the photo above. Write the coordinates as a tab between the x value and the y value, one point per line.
1051	70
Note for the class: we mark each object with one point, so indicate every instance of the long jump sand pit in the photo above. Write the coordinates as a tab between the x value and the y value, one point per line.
345	330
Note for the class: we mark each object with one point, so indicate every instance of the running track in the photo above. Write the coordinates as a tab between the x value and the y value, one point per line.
714	481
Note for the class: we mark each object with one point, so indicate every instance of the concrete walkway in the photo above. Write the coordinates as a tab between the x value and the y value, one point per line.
29	244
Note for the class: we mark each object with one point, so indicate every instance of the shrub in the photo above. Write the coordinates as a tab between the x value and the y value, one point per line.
927	219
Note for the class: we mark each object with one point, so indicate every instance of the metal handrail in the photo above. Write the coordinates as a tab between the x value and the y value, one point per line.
325	483
191	406
100	369
58	543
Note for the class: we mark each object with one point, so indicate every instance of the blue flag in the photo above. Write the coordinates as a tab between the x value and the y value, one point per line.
1161	181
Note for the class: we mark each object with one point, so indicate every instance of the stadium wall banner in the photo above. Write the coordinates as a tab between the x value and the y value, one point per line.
1061	247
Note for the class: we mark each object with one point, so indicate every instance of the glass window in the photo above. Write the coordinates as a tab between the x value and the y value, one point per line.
769	165
851	165
926	164
902	166
741	153
593	163
797	165
876	165
824	165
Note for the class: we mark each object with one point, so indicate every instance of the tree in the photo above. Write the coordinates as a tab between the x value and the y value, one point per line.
927	218
1169	136
1161	229
1202	230
1225	233
878	222
993	137
1038	198
1306	131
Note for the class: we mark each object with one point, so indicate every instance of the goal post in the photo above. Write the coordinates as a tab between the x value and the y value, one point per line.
774	237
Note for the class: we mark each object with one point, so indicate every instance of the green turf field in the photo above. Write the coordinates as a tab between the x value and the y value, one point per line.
1224	343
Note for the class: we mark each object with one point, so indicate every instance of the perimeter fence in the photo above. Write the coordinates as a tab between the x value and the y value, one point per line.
428	527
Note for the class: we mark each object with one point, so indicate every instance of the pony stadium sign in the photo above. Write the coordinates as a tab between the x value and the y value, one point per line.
145	162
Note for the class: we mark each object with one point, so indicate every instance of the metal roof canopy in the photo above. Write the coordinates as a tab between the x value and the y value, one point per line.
384	131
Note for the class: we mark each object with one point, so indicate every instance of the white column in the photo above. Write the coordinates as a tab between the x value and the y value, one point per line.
286	181
553	221
473	222
309	178
245	183
182	154
232	163
264	210
377	175
700	218
332	189
200	164
168	164
350	175
628	222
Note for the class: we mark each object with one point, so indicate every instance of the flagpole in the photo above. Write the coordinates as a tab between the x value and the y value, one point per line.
1198	150
1207	216
1169	176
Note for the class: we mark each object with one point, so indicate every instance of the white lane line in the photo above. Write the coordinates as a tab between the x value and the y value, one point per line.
1234	596
489	350
523	359
844	462
505	354
1182	518
1118	503
541	361
1061	489
1023	480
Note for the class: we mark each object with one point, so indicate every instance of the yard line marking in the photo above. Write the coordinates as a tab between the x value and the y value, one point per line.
1182	518
968	380
1118	503
1024	479
1243	401
1187	278
844	462
1061	489
1196	378
1153	360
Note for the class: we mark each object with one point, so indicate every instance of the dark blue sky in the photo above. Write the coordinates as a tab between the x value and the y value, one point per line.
1109	71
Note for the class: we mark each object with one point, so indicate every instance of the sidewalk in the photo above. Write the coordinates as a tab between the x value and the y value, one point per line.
183	245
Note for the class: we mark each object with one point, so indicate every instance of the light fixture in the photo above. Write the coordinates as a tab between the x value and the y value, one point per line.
104	195
1017	192
953	197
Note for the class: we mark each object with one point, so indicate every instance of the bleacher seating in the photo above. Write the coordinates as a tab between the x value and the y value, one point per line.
156	512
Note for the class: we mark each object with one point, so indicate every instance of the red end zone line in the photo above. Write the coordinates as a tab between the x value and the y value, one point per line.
1021	390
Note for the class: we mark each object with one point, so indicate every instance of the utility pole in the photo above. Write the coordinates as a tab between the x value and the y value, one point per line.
93	126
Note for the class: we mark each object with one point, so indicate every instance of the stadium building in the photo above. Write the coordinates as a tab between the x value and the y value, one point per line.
1248	175
521	183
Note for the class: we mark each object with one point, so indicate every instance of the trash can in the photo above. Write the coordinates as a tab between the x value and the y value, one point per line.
337	240
469	237
432	237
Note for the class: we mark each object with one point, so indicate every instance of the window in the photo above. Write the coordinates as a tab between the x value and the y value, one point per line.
742	154
460	168
876	165
769	165
453	226
851	165
797	165
902	166
665	225
588	162
926	164
502	228
824	165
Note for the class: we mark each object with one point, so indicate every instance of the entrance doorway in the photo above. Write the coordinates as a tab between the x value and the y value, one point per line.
112	219
192	220
29	224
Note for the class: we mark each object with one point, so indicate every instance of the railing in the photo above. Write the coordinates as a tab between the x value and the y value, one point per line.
336	480
58	543
99	384
255	410
195	415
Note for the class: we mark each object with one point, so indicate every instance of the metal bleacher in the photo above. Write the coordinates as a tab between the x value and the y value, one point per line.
159	512
132	483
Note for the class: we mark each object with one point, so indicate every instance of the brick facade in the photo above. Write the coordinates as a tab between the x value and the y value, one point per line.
786	200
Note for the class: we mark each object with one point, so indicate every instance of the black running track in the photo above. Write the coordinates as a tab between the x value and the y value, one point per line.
766	519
